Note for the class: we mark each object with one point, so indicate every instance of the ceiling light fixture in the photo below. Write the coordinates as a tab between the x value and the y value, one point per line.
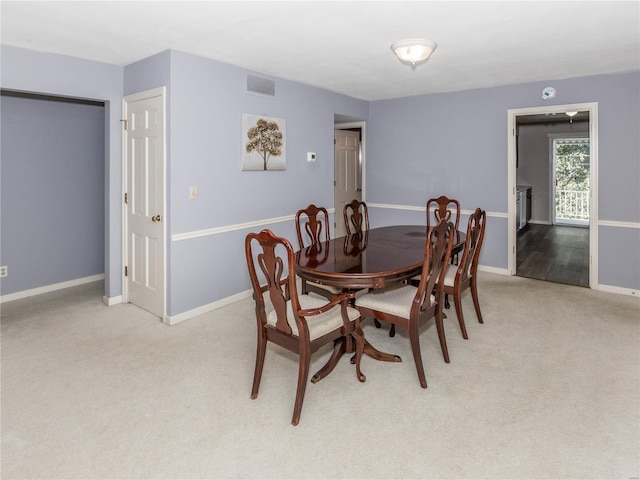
571	115
414	51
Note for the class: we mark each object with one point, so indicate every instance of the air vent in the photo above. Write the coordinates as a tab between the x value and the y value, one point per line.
262	86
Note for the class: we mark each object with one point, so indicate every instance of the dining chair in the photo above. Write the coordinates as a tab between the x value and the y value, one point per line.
299	323
464	276
445	208
449	209
312	227
356	215
407	306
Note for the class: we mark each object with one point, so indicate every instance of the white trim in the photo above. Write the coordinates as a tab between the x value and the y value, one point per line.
489	214
397	207
153	92
409	208
230	228
619	290
173	320
615	223
196	312
110	301
50	288
497	270
594	173
424	208
592	108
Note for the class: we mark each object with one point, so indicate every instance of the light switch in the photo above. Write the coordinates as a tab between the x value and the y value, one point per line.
311	156
193	193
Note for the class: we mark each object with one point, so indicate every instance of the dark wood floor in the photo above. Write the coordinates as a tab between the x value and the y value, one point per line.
554	253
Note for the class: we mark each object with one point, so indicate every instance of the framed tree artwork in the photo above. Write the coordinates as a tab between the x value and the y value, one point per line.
263	143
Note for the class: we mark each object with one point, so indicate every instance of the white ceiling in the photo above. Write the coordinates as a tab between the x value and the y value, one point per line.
344	46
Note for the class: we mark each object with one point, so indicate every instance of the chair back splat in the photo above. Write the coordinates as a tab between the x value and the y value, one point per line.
436	258
316	225
407	306
443	208
312	228
299	323
356	216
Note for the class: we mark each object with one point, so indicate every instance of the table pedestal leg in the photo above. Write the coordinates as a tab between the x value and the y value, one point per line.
346	345
339	348
378	355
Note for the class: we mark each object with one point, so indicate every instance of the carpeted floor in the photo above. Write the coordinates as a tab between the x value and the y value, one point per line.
547	388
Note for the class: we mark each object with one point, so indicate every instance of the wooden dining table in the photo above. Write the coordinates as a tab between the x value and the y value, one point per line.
372	259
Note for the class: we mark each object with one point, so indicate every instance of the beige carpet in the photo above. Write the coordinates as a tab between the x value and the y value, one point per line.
547	388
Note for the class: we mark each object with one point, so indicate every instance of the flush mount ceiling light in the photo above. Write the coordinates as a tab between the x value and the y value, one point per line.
414	50
571	115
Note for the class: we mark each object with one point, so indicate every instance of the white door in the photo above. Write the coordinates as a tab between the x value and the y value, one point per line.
347	174
145	201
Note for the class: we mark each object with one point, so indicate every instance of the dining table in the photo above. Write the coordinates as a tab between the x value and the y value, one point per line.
371	259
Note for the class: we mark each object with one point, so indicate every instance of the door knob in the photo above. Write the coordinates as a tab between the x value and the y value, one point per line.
156	218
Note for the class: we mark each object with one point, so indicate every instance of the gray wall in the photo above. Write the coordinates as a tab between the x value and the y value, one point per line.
416	147
206	100
36	72
52	192
423	146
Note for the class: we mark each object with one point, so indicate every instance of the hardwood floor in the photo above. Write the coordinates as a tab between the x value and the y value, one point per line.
554	253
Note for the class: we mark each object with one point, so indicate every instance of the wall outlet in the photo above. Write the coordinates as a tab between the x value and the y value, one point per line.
4	271
193	193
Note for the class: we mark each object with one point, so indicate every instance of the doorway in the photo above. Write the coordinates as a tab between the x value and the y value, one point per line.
53	149
348	183
563	251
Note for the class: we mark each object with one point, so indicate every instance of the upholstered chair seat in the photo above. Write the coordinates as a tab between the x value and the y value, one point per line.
318	325
407	306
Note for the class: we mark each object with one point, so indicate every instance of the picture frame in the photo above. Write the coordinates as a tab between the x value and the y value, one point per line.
263	143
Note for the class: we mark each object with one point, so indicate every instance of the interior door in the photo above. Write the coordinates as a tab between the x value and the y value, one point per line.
145	200
347	174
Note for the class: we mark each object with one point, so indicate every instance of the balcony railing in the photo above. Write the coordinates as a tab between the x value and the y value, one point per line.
572	205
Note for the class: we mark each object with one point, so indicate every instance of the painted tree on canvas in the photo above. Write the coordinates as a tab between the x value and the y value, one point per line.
266	139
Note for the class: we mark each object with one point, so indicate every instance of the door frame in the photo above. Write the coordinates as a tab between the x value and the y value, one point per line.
154	92
363	136
592	108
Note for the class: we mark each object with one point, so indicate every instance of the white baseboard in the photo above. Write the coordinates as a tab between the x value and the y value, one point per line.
619	290
50	288
175	319
109	301
603	288
499	271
